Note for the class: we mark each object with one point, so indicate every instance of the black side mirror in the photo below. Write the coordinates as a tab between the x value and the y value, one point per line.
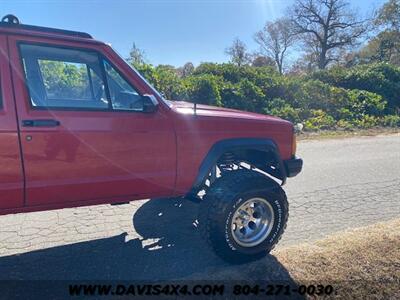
150	103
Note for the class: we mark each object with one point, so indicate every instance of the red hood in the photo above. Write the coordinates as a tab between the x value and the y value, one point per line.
214	111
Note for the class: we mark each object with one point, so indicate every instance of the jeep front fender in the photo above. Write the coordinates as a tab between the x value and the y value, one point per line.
265	156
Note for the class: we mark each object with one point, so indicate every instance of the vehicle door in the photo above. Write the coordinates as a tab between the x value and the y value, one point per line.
11	173
84	133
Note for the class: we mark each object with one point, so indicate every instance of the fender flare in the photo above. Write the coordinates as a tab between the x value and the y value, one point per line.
231	145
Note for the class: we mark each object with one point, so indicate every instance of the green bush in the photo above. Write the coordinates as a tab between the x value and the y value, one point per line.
380	78
149	72
164	78
243	95
307	95
278	107
344	124
203	89
390	121
366	122
320	96
334	98
168	82
319	120
365	103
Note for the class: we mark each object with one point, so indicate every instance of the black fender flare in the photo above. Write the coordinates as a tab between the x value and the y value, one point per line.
231	145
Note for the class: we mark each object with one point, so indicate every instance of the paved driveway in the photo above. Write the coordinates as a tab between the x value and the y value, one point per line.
345	183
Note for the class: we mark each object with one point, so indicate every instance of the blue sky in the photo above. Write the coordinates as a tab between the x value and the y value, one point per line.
170	31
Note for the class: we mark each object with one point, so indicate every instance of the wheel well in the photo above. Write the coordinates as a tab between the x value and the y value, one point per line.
260	159
261	154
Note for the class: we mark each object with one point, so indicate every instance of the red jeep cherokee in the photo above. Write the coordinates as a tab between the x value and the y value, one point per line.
79	126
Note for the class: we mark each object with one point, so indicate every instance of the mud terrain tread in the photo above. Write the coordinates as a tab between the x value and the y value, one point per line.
221	194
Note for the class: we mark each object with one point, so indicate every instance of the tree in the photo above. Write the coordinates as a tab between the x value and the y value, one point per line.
385	47
136	56
389	15
275	39
326	26
186	70
303	65
238	53
263	61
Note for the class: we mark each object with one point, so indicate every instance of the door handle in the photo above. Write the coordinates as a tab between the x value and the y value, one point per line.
40	123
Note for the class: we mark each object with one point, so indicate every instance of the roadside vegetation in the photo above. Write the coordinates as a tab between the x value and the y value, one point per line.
362	263
347	133
316	102
348	76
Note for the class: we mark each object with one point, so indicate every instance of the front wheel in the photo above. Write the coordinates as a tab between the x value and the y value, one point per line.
243	215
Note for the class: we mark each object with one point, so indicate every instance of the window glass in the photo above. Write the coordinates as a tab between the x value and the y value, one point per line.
123	95
63	78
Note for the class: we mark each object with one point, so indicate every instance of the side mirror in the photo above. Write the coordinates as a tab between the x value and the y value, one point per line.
150	103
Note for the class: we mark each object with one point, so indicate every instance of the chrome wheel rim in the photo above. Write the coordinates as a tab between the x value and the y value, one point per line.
252	222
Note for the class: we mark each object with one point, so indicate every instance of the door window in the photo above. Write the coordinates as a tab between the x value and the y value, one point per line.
63	78
75	79
123	95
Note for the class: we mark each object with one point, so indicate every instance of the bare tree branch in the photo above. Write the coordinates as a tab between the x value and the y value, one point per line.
238	53
326	26
275	39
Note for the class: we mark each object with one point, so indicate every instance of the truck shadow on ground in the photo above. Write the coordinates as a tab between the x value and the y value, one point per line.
170	248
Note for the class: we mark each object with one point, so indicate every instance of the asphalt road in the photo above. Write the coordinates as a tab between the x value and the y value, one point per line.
345	183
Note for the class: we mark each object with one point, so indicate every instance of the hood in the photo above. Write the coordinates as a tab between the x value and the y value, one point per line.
187	108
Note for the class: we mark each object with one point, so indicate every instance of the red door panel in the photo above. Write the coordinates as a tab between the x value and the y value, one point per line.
93	154
11	175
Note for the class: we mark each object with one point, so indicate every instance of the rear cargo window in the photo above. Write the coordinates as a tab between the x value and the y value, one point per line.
63	78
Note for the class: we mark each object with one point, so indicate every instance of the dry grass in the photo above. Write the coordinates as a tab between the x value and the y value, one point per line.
329	134
363	263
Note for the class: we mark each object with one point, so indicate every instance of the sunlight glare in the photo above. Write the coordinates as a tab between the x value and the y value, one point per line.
267	8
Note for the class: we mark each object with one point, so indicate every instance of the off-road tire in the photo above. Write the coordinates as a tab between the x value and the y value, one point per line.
224	197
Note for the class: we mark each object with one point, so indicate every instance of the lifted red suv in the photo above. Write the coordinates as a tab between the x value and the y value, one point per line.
79	126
